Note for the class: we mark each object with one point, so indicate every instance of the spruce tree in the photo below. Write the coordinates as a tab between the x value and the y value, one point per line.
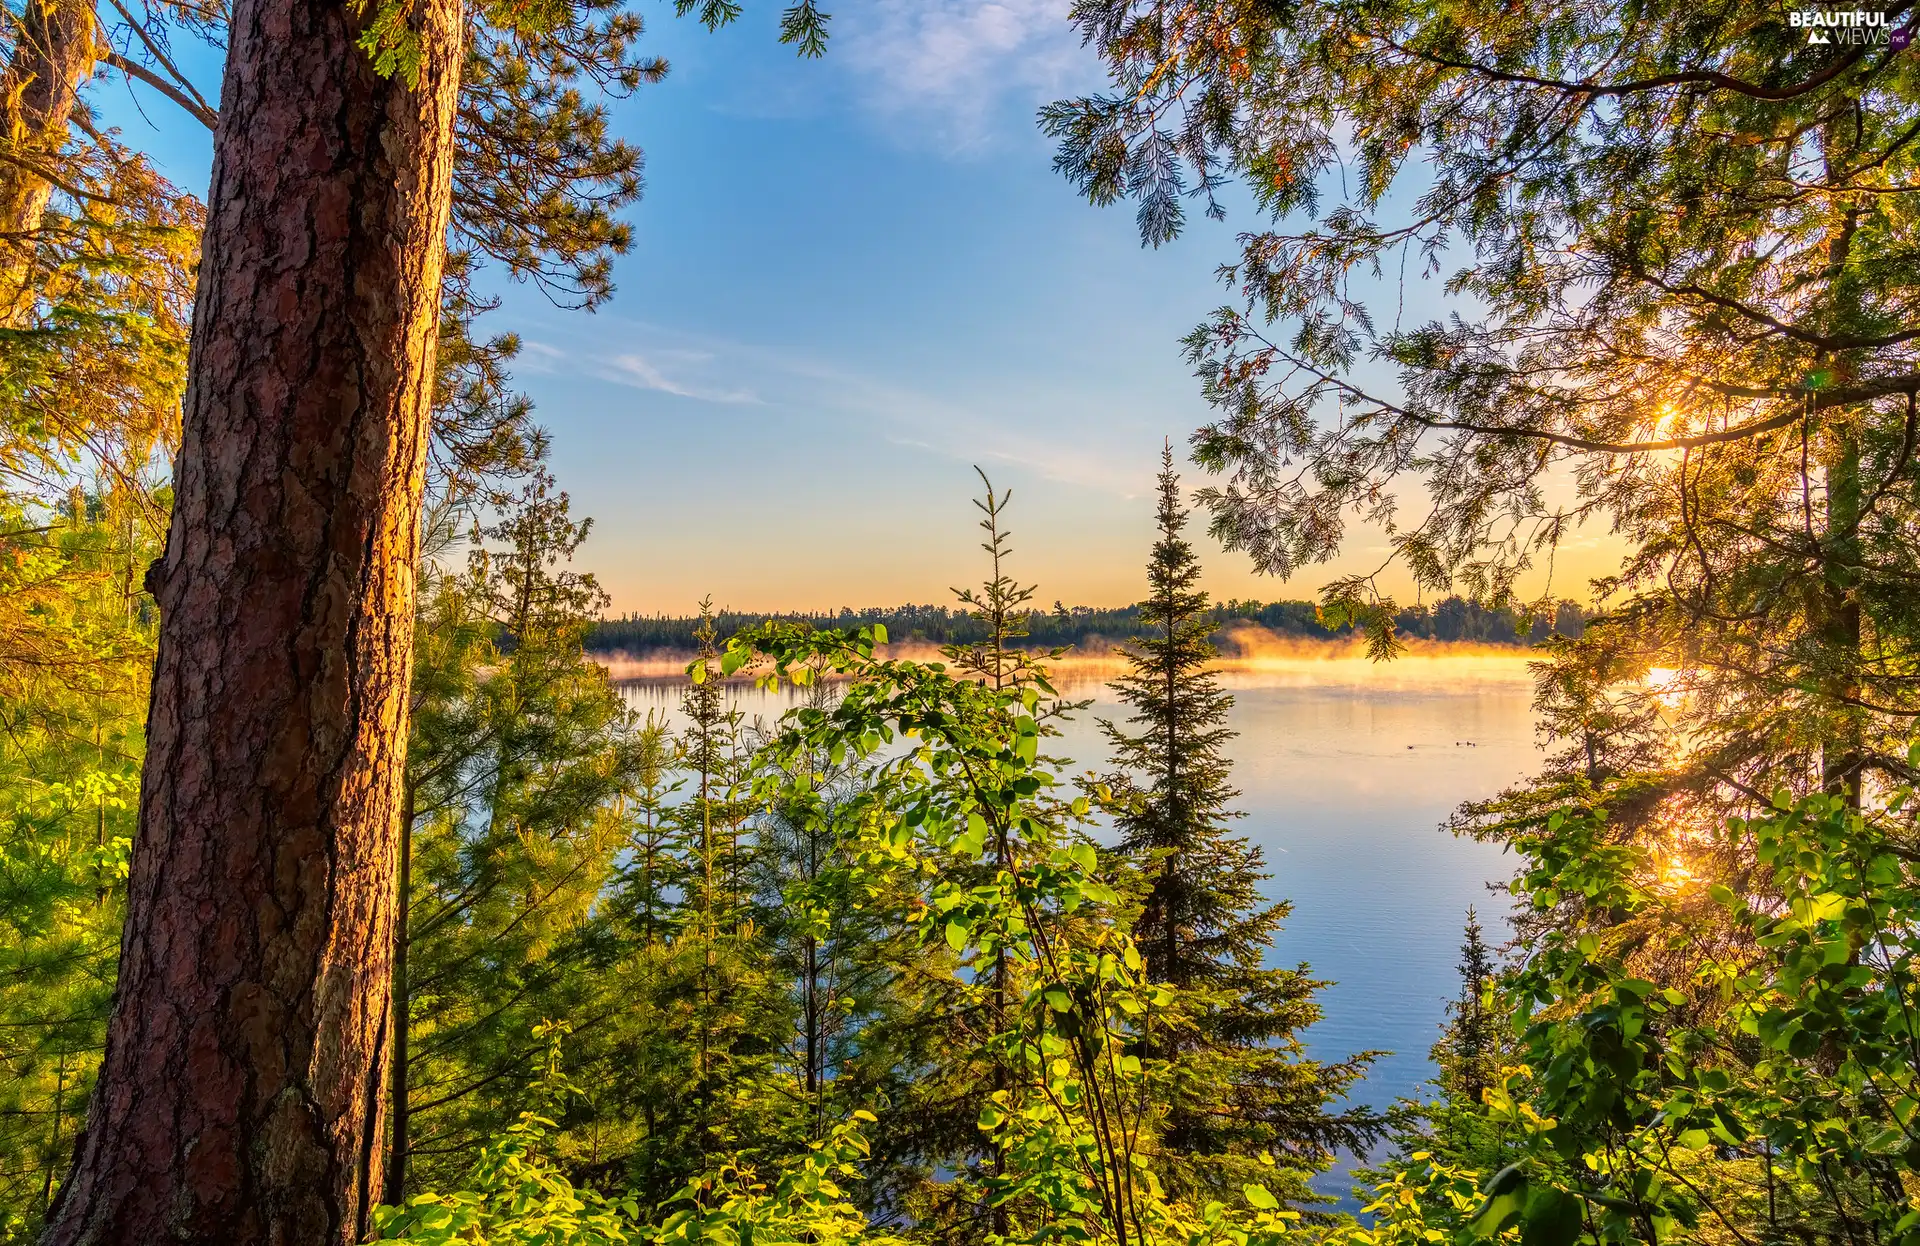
1236	1081
839	941
709	754
1469	1053
926	1038
1001	605
1203	910
716	988
1454	1126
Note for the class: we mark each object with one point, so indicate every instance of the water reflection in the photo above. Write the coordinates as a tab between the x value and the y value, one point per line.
1345	770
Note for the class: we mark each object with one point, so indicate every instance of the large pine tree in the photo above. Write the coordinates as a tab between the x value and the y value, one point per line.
1237	1083
238	1098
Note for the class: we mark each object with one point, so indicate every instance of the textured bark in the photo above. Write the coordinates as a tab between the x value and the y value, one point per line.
240	1096
52	56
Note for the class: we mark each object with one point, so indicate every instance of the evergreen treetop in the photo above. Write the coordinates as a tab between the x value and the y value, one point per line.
1236	1084
1469	1054
1199	913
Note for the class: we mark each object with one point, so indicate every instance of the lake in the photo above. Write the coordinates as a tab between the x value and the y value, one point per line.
1346	770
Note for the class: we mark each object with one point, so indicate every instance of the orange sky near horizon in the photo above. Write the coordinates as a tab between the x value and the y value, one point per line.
1075	545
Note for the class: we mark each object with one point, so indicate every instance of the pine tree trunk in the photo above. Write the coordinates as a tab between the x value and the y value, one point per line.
1840	623
239	1100
52	56
1838	626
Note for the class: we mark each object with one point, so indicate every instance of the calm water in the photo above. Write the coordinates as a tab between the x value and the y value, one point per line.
1346	769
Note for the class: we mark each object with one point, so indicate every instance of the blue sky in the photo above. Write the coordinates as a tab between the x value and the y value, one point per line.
852	279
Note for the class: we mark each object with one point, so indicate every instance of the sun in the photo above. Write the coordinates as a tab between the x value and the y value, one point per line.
1674	873
1664	683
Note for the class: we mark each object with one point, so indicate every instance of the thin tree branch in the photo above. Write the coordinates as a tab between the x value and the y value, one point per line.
1700	77
198	112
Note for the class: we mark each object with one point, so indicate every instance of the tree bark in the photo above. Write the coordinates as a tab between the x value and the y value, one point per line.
52	56
239	1100
1838	626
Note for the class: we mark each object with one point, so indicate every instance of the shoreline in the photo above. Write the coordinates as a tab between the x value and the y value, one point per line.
1245	650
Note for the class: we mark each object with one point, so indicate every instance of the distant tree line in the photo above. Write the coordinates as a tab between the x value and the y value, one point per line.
1455	618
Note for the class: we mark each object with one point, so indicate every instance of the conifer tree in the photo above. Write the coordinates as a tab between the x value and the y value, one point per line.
519	769
947	1059
72	700
654	872
712	992
96	284
52	54
1454	1125
800	911
704	753
1002	605
1203	911
538	180
1237	1081
709	755
1469	1054
840	940
261	881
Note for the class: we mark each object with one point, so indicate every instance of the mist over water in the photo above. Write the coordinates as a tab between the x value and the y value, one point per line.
1346	770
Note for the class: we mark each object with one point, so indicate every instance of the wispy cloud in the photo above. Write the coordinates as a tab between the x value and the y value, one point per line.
954	69
1048	435
537	357
665	370
1022	430
641	372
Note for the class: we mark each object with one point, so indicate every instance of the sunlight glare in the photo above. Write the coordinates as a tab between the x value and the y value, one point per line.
1664	683
1674	873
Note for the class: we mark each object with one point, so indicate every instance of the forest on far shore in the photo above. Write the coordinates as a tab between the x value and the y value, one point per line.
1452	619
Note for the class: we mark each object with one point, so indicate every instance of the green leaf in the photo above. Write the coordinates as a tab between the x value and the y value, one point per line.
1506	1195
1260	1196
1552	1218
1886	1140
